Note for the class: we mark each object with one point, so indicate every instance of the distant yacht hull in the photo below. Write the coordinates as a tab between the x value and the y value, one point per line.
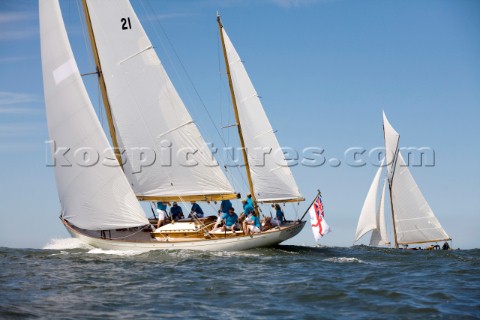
265	239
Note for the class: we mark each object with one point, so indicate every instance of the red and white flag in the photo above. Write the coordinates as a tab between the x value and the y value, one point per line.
317	219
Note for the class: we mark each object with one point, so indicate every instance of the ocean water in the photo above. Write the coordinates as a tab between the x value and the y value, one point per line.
68	280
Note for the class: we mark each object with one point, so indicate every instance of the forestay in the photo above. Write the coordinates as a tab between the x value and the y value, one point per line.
272	178
95	197
415	221
149	116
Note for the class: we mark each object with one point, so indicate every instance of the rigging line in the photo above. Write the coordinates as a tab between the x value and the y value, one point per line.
220	84
131	235
67	23
186	73
222	89
85	36
188	76
89	73
235	182
296	209
90	61
154	208
395	158
227	155
180	79
180	61
99	104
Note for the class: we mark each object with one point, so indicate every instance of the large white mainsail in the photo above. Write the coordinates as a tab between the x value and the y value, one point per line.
368	220
379	234
272	178
95	197
415	221
149	114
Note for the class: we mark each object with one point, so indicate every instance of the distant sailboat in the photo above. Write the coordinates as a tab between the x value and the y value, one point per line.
413	220
100	203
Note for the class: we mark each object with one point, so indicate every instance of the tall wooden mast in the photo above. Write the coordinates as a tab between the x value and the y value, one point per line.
103	88
390	183
237	117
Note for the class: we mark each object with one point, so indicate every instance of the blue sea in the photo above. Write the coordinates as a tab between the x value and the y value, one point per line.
68	280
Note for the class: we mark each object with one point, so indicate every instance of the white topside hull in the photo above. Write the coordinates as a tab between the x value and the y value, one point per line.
264	239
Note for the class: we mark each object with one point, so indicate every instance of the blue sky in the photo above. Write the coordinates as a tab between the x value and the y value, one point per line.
325	71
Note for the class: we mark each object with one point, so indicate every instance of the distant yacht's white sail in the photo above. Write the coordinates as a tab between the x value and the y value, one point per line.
415	221
368	215
379	234
271	176
391	144
148	113
94	197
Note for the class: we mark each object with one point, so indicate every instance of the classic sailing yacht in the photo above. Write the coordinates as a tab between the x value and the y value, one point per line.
100	196
413	220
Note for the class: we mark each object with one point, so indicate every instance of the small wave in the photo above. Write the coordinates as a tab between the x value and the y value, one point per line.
233	254
344	260
66	244
115	252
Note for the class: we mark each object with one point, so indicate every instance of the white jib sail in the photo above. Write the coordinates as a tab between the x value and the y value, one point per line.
391	144
379	234
95	197
272	178
149	116
415	221
368	220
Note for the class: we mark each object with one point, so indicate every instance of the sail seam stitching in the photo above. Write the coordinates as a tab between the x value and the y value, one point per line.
176	128
136	54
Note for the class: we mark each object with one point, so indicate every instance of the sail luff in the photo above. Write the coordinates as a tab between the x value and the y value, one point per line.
93	196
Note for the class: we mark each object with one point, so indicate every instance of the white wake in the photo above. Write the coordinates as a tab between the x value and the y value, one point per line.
66	244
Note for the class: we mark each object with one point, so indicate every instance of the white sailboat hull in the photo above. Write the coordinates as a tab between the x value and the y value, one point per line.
264	239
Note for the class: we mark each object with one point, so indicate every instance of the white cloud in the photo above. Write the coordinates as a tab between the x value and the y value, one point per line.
12	98
14	16
17	25
296	3
17	147
281	3
167	16
15	59
12	110
19	129
12	103
18	34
